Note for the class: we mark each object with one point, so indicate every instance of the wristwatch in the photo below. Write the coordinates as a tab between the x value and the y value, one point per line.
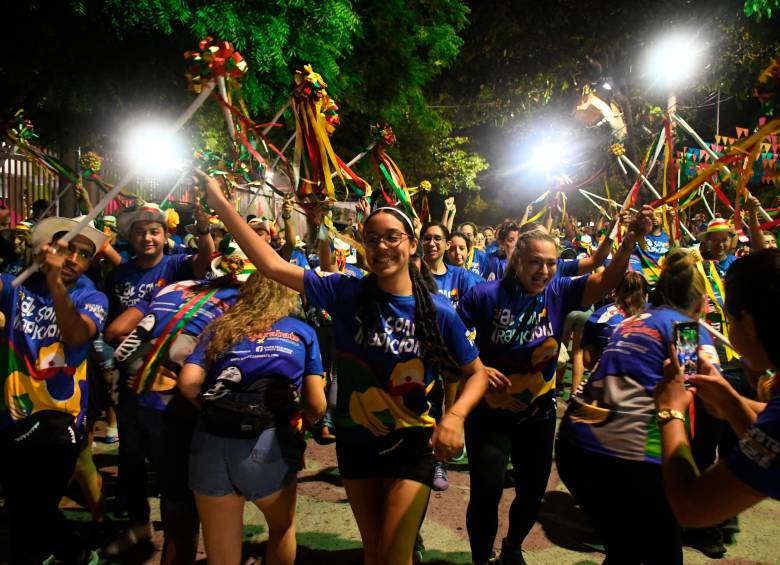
667	415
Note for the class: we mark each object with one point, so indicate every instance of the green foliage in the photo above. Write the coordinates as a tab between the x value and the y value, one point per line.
761	8
456	169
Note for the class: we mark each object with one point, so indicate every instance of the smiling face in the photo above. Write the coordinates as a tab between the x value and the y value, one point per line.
388	245
770	240
718	244
458	251
147	239
490	235
434	245
535	264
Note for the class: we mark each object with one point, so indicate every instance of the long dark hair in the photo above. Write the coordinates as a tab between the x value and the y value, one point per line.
753	286
432	348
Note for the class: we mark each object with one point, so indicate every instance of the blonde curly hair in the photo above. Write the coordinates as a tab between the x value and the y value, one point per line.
261	302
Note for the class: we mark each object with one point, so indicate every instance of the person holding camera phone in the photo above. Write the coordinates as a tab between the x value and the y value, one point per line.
608	451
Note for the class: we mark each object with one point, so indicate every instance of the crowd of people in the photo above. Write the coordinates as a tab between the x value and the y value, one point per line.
213	352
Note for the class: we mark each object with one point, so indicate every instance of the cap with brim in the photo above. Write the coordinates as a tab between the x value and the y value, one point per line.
718	225
232	262
149	212
45	230
262	224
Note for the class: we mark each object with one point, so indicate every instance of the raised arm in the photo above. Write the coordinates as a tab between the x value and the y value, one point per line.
599	284
201	264
756	235
590	264
75	329
262	255
289	227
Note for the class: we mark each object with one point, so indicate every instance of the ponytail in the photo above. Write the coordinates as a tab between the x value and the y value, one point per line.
680	285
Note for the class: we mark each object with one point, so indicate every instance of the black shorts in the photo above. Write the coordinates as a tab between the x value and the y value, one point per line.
402	454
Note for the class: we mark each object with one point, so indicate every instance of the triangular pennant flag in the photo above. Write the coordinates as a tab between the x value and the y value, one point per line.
741	132
718	138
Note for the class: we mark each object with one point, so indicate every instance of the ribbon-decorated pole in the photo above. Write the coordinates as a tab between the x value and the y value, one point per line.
356	158
598	207
275	119
709	150
179	180
707	204
129	176
634	168
222	87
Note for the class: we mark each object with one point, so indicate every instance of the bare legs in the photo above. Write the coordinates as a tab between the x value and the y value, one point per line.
222	520
388	514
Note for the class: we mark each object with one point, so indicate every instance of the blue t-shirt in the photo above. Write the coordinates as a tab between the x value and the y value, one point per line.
491	248
298	258
477	262
15	266
649	259
529	358
455	283
384	385
496	266
128	285
755	460
289	349
567	268
37	370
158	313
614	414
599	327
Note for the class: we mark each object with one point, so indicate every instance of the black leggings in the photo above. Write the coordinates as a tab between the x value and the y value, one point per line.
491	439
626	502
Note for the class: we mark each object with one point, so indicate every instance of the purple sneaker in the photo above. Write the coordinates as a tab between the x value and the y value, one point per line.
440	481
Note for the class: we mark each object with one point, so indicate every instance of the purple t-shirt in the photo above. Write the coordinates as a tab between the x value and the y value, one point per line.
755	461
497	312
456	282
127	285
38	371
384	384
289	349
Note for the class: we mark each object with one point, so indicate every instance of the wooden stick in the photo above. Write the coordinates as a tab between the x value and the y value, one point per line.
114	192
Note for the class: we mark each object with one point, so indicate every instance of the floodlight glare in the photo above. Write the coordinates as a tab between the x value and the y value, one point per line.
674	59
546	156
152	148
606	86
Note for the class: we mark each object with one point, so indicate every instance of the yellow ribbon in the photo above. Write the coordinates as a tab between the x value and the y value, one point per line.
714	277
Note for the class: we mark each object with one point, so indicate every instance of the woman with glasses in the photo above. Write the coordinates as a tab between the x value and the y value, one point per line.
519	323
393	338
452	281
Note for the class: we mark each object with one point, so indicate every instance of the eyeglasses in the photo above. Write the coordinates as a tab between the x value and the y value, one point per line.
429	238
391	239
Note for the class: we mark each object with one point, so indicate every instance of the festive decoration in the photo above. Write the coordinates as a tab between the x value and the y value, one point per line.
388	172
768	89
213	60
315	162
419	196
617	149
21	129
91	163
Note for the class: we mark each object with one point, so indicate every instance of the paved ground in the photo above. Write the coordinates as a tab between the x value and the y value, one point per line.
327	534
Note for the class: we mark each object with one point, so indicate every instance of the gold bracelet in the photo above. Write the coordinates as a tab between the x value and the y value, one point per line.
666	415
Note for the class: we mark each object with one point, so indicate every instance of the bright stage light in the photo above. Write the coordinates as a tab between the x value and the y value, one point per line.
152	148
606	86
674	59
546	156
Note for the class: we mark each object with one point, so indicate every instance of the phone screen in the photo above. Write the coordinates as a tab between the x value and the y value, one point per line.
686	342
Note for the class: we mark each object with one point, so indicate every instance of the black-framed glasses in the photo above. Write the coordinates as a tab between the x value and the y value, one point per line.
429	238
391	239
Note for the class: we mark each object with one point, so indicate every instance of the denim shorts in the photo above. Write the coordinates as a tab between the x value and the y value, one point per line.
253	468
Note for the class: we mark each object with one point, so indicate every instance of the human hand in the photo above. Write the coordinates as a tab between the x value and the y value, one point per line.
670	392
642	224
287	206
497	381
449	203
716	393
753	204
363	208
211	188
52	259
417	223
447	439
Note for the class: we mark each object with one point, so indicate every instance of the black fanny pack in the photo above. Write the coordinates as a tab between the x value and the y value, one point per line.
266	403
